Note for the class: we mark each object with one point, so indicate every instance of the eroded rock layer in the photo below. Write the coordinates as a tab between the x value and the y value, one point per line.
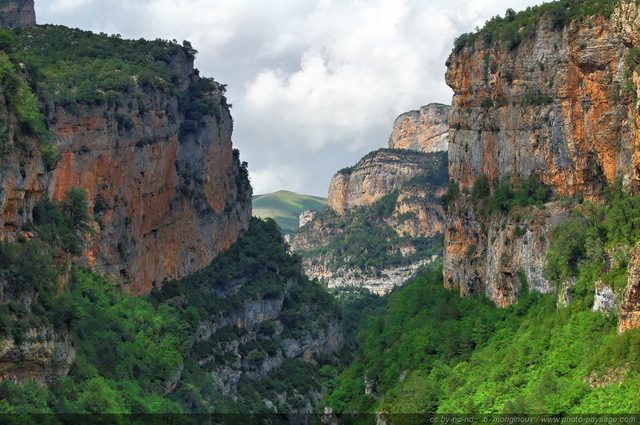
554	107
426	130
16	13
165	202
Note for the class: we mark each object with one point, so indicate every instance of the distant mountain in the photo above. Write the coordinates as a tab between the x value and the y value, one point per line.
285	207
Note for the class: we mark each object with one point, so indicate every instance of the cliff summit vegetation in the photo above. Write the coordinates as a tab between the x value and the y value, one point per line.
517	26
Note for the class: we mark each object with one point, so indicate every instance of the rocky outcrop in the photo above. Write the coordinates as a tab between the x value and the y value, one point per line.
629	316
16	13
42	356
166	202
377	174
341	251
376	281
553	107
604	298
306	216
426	130
496	255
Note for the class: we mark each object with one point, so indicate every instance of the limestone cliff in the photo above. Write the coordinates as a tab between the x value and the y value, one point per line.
166	202
16	13
552	105
383	222
426	130
376	175
167	192
164	197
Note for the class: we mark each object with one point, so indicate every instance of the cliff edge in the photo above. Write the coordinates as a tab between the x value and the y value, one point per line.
550	98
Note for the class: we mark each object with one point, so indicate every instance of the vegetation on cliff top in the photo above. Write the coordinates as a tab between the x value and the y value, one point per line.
514	27
76	66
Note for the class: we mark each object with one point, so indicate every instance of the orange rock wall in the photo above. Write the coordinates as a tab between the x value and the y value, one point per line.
165	203
554	107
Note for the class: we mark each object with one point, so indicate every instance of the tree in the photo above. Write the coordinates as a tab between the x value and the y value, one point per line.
74	205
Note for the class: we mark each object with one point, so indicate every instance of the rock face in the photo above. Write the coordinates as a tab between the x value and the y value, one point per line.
552	107
408	217
16	13
377	174
629	316
165	202
43	356
306	216
22	175
426	130
604	299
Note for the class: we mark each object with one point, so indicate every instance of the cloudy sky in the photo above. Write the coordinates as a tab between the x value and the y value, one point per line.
315	84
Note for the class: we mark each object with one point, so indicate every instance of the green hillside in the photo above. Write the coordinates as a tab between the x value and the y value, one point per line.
285	207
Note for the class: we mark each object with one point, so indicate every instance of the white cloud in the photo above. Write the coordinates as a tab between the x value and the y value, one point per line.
314	84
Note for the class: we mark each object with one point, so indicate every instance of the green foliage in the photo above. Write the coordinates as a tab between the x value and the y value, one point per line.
75	66
195	104
595	243
64	224
453	191
433	352
21	101
285	208
130	349
486	103
514	27
28	269
507	195
534	96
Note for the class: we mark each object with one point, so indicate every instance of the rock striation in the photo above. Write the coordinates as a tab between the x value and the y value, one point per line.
377	174
426	130
552	107
389	205
16	13
166	202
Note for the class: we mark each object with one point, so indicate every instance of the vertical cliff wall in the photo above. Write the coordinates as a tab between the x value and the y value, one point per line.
559	104
165	188
165	202
16	13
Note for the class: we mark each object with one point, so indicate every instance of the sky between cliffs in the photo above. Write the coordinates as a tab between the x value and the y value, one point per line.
315	84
